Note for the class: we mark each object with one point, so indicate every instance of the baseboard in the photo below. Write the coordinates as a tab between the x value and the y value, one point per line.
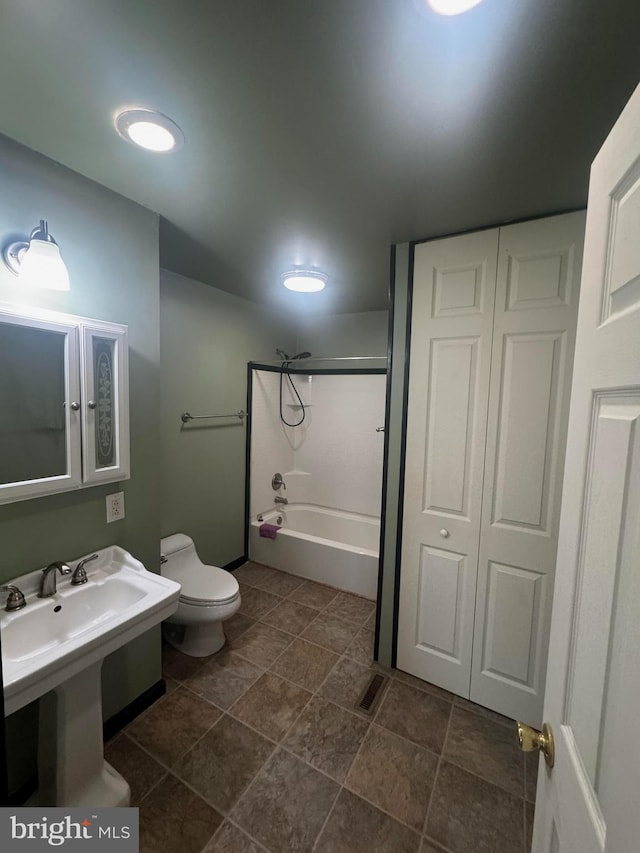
116	723
235	564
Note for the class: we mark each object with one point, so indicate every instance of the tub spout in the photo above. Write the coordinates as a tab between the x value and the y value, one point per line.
279	500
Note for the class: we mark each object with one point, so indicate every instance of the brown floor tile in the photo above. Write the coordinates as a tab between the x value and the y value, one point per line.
487	749
236	626
230	839
290	617
175	820
171	727
358	827
330	632
262	644
346	683
305	664
328	737
361	649
313	595
428	847
178	666
279	583
395	775
286	805
419	684
529	812
531	763
256	602
224	761
252	573
271	705
224	679
416	715
352	608
140	770
468	813
371	622
484	712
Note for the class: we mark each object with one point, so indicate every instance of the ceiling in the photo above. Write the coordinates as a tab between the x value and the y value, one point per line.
320	132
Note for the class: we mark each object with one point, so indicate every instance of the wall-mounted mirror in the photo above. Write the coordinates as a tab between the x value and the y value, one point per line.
32	404
63	403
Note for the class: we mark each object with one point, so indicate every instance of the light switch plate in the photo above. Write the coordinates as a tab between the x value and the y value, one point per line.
115	507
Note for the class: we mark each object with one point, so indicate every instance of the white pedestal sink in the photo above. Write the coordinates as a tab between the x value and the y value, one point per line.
53	649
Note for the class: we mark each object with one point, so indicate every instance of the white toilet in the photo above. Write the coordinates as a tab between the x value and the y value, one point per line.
209	595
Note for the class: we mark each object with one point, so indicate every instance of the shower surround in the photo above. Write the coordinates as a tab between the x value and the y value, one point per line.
332	469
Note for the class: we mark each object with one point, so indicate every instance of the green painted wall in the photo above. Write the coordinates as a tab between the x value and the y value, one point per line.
110	246
207	338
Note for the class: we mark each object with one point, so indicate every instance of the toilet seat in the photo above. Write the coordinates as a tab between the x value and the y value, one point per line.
203	585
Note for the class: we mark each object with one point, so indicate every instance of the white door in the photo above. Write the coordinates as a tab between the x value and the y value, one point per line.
590	801
105	403
537	290
453	300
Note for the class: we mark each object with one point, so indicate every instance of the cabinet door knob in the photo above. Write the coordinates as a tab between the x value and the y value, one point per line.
91	404
444	533
75	406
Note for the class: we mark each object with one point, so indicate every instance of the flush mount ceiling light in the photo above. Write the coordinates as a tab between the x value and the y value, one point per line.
304	280
452	7
37	262
150	130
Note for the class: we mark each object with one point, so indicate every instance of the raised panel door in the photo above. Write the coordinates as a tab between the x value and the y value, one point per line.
452	320
536	308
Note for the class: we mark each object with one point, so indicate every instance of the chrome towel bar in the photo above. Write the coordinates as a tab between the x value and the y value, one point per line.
185	417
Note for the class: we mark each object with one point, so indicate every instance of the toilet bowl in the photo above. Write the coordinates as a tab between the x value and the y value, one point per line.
209	595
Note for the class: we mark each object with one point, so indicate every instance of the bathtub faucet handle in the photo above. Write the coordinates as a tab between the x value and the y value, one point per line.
277	481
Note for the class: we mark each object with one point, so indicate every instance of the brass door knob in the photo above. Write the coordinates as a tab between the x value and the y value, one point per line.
530	739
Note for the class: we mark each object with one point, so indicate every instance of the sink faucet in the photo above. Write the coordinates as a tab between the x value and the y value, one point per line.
80	575
279	500
15	599
48	579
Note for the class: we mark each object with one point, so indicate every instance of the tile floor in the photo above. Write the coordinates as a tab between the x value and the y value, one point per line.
260	747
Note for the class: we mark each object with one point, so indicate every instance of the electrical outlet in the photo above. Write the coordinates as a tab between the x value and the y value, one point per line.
115	507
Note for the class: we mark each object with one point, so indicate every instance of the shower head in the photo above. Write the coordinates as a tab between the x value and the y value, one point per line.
301	355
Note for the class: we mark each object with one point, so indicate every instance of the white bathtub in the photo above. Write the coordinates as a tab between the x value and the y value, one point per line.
324	545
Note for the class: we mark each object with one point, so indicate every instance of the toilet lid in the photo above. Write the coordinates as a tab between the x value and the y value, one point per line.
202	584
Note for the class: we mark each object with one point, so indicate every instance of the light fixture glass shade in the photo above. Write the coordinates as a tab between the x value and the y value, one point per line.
149	129
304	281
452	7
42	266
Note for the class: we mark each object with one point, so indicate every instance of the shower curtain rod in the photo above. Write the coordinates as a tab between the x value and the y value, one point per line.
327	358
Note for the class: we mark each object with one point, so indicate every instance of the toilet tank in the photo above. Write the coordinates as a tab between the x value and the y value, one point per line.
178	549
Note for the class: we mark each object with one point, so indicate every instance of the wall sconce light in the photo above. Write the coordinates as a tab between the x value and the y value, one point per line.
37	262
304	280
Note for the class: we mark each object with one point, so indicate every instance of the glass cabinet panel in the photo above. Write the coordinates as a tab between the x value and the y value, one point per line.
105	408
39	408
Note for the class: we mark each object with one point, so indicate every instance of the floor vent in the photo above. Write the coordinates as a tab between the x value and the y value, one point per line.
369	698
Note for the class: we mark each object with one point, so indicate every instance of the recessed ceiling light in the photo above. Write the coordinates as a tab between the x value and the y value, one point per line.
452	7
149	129
304	281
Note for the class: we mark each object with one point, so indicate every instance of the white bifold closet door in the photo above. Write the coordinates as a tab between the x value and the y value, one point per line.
486	438
453	301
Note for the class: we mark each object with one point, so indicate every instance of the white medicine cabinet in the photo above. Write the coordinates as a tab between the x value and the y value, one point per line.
64	403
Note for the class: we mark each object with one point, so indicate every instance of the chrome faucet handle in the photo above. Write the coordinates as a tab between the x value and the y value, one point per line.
15	599
80	574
